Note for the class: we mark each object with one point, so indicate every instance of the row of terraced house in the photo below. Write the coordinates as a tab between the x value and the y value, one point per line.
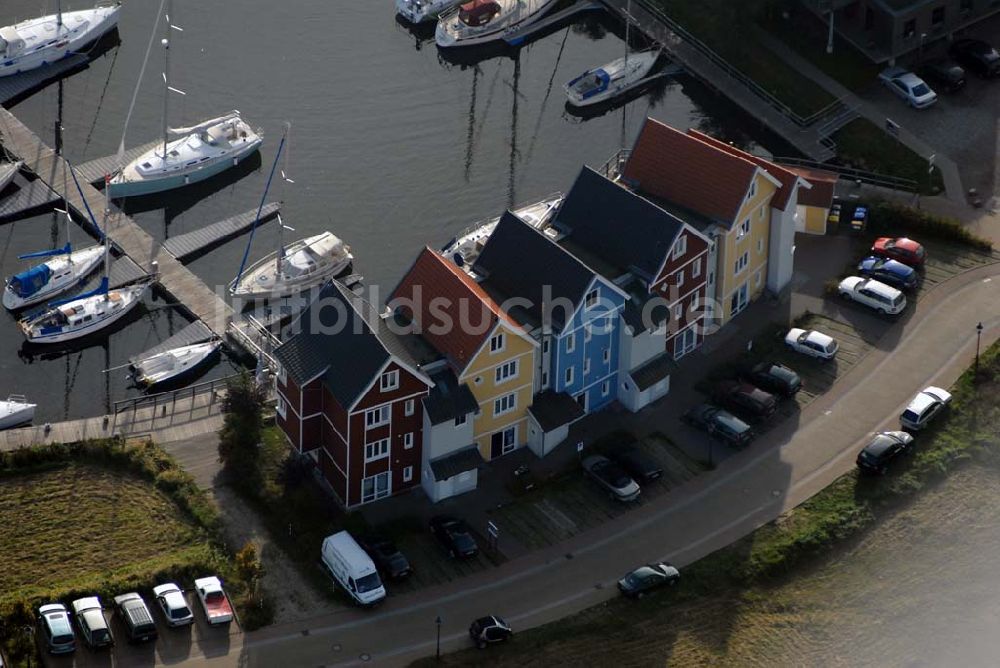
535	320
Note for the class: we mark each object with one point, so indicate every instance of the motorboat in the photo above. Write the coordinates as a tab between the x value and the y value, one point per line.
302	265
36	42
7	174
478	22
202	151
174	363
16	411
420	11
65	269
82	315
465	248
609	81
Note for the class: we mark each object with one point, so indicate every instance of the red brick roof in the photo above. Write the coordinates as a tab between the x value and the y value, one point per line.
683	169
785	176
440	297
823	185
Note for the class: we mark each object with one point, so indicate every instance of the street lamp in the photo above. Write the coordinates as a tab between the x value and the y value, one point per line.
979	337
29	631
437	654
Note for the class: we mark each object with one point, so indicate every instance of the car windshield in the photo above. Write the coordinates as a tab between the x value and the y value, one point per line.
910	415
463	540
920	251
213	596
62	639
730	423
920	90
369	582
100	635
59	624
180	613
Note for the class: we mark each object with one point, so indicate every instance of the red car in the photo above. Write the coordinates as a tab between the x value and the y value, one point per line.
900	249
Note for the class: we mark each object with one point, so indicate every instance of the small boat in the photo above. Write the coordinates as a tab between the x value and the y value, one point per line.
465	248
478	22
66	269
82	315
16	411
609	81
302	265
37	42
420	11
174	363
7	174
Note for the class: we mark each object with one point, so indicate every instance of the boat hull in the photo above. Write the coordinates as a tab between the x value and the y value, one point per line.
92	328
15	417
100	21
195	357
447	39
7	174
615	89
85	261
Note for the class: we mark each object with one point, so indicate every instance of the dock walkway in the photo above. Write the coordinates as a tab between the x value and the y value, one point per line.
94	171
18	85
28	197
185	246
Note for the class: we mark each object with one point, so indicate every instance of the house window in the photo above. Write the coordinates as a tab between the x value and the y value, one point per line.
753	189
685	342
678	311
696	268
377	450
760	246
282	375
376	417
756	280
409	407
571	342
744	229
586	366
506	371
545	378
408	441
742	262
569	376
607	355
937	17
390	381
505	404
504	441
695	303
279	406
605	388
376	487
545	347
587	333
739	300
680	278
407	474
460	420
497	343
910	28
680	247
591	299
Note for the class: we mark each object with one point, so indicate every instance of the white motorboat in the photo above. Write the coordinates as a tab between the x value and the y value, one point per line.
478	22
609	81
302	265
419	11
66	269
16	411
36	42
174	363
465	248
83	315
7	174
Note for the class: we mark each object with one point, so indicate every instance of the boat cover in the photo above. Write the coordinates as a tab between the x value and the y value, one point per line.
10	41
591	83
29	282
478	12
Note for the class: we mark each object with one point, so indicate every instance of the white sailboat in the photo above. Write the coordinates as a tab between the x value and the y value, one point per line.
36	42
196	153
174	363
478	22
66	269
16	411
8	172
609	81
300	266
465	248
420	11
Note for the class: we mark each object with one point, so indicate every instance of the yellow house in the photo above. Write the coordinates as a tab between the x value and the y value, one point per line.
487	350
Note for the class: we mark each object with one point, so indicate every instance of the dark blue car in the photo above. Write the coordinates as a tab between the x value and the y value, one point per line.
890	272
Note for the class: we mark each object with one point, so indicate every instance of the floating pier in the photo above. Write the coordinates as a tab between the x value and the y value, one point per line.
95	170
196	332
185	246
19	85
28	196
517	37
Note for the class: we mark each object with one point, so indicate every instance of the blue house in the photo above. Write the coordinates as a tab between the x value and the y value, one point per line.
575	314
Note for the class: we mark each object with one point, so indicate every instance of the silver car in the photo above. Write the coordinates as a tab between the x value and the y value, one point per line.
612	478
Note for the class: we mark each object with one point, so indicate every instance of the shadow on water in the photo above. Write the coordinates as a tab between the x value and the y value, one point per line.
422	33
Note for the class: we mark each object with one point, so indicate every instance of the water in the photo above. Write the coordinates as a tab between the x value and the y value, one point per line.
392	146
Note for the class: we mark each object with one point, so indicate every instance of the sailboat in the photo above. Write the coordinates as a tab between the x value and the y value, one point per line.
78	316
66	269
16	411
478	22
419	11
36	42
174	363
8	172
194	154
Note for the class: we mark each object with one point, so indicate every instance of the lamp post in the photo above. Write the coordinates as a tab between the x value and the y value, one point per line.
979	337
29	631
437	653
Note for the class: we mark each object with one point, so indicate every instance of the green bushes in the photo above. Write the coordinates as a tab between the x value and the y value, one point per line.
892	218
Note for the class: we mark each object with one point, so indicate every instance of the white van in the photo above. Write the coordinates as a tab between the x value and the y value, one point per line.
352	568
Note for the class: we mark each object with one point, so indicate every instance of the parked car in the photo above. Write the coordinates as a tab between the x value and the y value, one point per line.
641	466
924	407
719	424
891	272
645	579
908	86
976	55
489	631
57	632
885	448
352	568
745	400
811	343
214	601
775	378
389	561
93	626
901	249
173	604
946	75
455	536
612	478
136	618
874	294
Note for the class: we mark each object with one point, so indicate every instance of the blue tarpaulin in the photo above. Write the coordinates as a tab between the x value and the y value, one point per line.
29	282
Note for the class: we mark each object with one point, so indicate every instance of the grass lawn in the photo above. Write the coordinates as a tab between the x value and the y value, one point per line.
863	145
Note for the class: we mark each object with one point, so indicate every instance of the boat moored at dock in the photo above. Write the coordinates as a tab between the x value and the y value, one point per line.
174	363
422	11
37	42
16	411
607	82
479	22
298	267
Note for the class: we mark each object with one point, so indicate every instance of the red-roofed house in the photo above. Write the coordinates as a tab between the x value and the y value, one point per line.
815	204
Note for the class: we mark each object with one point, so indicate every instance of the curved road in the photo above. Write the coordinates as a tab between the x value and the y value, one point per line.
791	463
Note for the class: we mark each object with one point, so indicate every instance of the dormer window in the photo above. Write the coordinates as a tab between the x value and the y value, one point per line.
389	381
744	229
680	247
591	299
497	343
753	190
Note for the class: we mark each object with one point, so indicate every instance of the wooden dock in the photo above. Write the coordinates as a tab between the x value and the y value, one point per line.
185	246
175	279
196	332
26	197
19	85
94	171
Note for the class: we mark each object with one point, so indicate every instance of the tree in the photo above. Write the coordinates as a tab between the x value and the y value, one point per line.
249	567
239	438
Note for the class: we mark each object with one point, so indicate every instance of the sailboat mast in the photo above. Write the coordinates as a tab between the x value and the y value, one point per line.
59	21
107	250
166	77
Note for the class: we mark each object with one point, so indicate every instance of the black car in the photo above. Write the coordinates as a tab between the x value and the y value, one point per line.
746	400
976	55
775	378
455	536
946	75
489	631
891	272
883	450
647	578
389	561
641	466
719	424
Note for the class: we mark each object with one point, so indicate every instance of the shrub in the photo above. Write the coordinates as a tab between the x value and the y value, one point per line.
891	218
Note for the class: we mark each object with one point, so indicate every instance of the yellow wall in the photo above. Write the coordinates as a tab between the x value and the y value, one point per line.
815	219
483	368
755	243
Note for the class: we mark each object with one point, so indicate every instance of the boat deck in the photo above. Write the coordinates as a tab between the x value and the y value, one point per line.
518	36
94	171
185	246
194	333
19	85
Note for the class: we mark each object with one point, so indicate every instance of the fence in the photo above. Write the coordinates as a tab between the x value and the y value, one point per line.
872	178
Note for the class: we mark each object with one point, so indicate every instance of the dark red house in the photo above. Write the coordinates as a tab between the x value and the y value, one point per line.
350	396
